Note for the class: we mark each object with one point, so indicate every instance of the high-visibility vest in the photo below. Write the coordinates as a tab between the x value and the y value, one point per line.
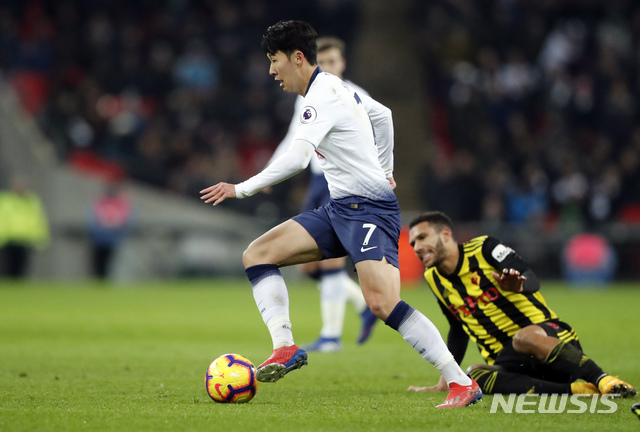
23	220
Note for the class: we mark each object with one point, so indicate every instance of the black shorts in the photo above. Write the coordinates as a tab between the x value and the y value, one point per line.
515	362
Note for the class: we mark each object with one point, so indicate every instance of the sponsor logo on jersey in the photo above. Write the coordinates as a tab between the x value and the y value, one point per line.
472	303
500	252
308	115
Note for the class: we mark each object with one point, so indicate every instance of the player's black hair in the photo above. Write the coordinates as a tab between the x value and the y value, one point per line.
437	219
289	36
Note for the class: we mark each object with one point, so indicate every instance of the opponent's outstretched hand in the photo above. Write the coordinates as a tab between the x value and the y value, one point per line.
510	280
218	193
441	387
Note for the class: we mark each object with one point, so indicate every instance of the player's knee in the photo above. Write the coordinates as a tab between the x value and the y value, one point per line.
252	256
378	310
311	269
528	340
332	264
246	258
521	342
380	306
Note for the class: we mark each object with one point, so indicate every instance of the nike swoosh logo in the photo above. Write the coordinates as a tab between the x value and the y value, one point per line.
363	249
218	390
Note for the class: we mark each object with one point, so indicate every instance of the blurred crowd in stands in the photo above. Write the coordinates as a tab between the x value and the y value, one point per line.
173	93
533	106
534	109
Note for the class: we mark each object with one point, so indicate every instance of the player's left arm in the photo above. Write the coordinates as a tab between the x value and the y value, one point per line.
512	272
382	122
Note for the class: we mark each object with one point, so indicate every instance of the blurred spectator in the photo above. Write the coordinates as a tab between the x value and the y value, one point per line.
604	199
23	227
196	69
110	220
570	192
588	258
527	198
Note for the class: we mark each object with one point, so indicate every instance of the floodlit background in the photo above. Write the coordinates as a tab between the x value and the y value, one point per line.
517	118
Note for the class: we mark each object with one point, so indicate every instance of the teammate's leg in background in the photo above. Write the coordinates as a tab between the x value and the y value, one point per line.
336	288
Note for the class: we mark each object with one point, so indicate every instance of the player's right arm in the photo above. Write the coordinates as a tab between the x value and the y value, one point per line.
512	274
457	339
291	162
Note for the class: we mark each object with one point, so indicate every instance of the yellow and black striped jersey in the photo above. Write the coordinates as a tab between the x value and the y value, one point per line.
489	315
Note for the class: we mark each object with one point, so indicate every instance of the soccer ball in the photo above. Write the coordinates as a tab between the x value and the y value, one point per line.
231	378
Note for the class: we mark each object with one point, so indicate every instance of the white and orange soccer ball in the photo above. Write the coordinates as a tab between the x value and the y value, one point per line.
231	378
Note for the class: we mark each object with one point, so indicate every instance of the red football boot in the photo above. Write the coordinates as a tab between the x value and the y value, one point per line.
282	361
462	396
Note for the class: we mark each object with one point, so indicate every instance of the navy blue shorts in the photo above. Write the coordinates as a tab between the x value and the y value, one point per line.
361	228
318	193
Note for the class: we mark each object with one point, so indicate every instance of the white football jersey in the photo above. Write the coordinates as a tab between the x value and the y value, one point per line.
335	120
314	165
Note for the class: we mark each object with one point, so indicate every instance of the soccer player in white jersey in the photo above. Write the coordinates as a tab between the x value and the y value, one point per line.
336	287
361	220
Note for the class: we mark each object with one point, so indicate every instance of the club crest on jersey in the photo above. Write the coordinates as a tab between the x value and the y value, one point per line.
308	114
475	278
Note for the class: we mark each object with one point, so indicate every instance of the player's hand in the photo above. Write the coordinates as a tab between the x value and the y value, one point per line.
510	280
392	182
440	387
218	193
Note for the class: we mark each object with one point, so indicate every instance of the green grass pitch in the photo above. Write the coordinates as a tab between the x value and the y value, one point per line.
92	357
